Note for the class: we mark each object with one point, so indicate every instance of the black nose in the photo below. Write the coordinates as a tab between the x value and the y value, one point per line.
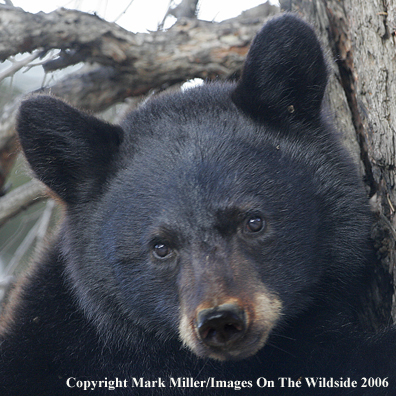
222	325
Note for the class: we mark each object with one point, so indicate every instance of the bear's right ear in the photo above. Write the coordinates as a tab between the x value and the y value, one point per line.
285	73
73	153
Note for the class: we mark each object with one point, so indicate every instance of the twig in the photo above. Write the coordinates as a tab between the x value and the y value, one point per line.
122	13
49	57
18	65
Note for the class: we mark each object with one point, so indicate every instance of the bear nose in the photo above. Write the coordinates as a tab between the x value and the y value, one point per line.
222	325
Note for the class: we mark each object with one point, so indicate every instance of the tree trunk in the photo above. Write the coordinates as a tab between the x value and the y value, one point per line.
360	37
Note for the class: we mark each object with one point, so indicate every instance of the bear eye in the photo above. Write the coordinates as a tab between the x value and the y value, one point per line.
161	250
255	224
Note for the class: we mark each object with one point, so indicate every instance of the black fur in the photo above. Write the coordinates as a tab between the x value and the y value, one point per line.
187	171
285	73
61	150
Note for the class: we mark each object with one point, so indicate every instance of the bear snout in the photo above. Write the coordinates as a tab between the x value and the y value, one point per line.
222	325
225	327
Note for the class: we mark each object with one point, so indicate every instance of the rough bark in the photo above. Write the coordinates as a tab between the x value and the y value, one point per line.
360	37
373	43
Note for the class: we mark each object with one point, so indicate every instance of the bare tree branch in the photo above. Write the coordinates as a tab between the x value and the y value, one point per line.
123	12
137	53
18	65
20	199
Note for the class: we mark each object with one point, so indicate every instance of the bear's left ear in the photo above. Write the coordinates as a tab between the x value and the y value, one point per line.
285	73
72	152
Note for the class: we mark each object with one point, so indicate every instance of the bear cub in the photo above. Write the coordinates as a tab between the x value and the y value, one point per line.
218	238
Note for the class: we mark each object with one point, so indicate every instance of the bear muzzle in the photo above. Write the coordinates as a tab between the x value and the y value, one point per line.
230	328
221	326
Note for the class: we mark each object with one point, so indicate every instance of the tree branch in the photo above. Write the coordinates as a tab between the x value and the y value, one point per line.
131	64
108	44
20	199
18	65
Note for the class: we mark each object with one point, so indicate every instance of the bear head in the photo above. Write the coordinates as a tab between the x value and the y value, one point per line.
213	215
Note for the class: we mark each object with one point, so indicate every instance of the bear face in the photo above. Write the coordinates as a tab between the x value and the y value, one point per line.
194	209
216	215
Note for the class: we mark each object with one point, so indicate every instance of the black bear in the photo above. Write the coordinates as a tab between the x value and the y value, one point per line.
216	241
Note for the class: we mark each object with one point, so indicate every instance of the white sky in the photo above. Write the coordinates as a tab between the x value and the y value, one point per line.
141	15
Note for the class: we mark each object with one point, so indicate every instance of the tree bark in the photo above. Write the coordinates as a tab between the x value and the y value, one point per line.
361	39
